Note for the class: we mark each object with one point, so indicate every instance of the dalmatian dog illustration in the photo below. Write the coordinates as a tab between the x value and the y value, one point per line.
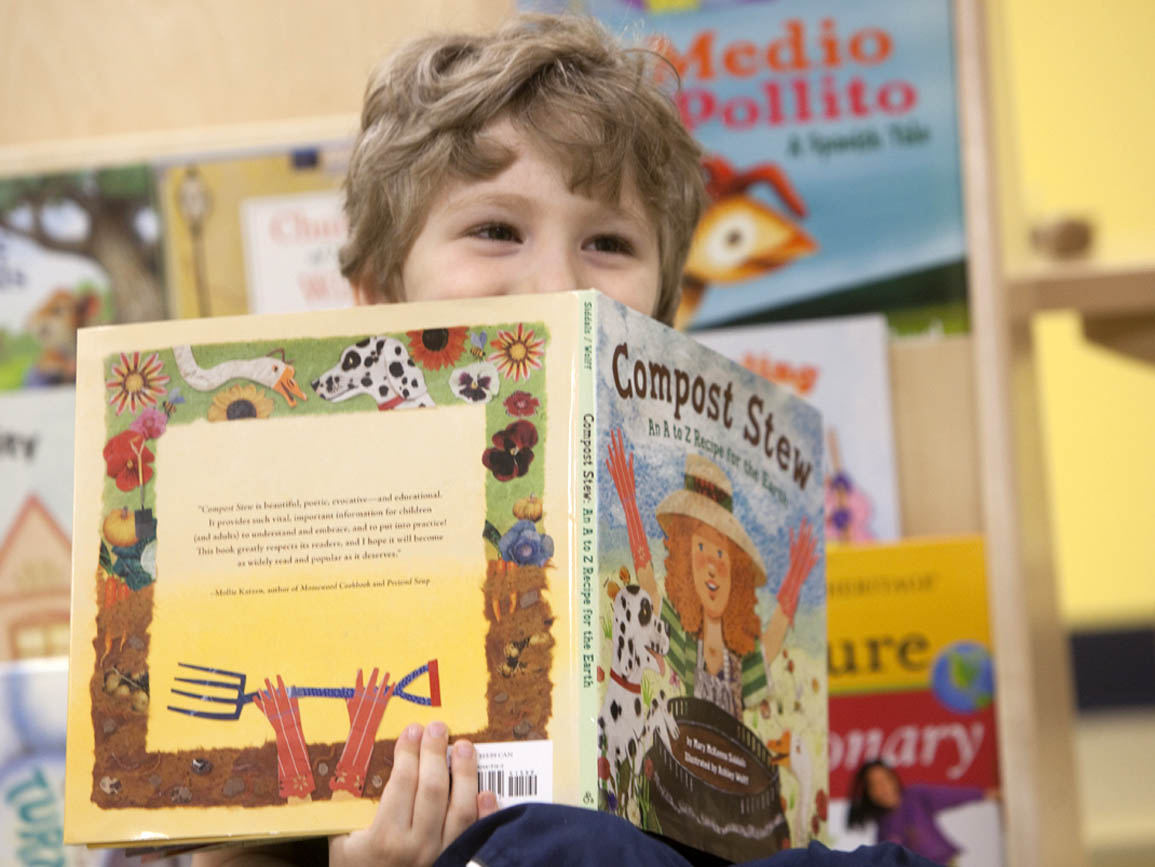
625	725
379	367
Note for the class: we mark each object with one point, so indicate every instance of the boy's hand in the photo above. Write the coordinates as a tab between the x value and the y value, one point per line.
421	810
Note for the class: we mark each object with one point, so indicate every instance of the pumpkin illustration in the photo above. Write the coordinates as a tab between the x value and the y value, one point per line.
120	528
528	509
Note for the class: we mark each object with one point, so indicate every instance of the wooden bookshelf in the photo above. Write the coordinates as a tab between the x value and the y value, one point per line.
1035	695
116	82
1091	288
162	145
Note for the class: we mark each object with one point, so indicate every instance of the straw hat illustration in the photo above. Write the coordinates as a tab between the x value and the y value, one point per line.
708	496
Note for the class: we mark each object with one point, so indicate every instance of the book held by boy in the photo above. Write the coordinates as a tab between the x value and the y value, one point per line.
584	541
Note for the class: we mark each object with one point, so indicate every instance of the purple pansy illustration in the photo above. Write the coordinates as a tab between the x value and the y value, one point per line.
512	452
475	383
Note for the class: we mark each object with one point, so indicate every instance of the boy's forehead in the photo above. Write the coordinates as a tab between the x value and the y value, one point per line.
615	186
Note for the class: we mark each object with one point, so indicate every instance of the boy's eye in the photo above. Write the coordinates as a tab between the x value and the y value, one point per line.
611	244
496	232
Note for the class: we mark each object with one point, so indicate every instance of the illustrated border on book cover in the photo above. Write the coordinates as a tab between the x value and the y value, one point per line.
500	366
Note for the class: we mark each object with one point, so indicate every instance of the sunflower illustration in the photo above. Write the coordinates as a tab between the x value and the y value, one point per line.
517	352
239	402
137	383
435	348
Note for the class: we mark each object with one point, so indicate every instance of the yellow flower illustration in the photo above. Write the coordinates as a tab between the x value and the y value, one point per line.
240	401
136	382
517	352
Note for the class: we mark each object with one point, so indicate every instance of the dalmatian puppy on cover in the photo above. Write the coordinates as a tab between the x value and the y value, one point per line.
379	367
625	726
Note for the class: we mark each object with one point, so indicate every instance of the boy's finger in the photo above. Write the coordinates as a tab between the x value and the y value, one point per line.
462	791
396	809
432	798
486	804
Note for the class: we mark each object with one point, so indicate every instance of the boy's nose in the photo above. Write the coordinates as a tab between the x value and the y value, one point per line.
557	271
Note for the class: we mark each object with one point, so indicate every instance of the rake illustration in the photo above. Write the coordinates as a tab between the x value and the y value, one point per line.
233	683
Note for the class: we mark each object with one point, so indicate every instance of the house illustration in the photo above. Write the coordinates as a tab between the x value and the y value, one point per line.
35	571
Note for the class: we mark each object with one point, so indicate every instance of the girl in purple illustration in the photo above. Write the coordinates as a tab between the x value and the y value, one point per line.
717	645
907	815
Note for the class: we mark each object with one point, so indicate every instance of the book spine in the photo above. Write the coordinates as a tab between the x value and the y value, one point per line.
587	550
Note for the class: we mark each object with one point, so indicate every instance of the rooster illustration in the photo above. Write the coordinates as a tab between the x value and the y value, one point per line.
738	236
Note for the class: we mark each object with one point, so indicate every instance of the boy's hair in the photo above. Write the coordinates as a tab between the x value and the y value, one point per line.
564	82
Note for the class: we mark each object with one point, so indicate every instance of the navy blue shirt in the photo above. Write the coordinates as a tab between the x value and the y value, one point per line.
572	837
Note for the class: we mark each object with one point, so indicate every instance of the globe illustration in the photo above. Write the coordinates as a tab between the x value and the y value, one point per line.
963	677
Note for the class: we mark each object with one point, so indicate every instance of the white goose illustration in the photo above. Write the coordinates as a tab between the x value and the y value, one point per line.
792	753
268	370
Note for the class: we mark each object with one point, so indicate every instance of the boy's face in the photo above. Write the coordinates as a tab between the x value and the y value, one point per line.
524	231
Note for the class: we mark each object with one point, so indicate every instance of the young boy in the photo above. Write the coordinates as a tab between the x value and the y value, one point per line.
543	157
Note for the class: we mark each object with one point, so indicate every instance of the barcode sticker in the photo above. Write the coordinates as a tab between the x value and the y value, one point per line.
517	771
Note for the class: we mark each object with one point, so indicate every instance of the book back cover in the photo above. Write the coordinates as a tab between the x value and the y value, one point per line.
297	534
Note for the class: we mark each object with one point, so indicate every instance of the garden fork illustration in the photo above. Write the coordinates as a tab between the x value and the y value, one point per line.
230	690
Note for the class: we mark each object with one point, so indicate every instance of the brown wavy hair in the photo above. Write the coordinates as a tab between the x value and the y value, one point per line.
592	103
741	629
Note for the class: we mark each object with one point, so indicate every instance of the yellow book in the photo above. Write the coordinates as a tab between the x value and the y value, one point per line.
276	516
254	233
912	685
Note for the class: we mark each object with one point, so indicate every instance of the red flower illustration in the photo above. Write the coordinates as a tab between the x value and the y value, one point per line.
128	459
435	348
521	403
513	452
821	803
603	768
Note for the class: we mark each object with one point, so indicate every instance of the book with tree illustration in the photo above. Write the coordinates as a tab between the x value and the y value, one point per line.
76	249
581	539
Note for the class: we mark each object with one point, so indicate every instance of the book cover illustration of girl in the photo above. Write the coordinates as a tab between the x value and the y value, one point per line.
718	648
908	815
719	652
